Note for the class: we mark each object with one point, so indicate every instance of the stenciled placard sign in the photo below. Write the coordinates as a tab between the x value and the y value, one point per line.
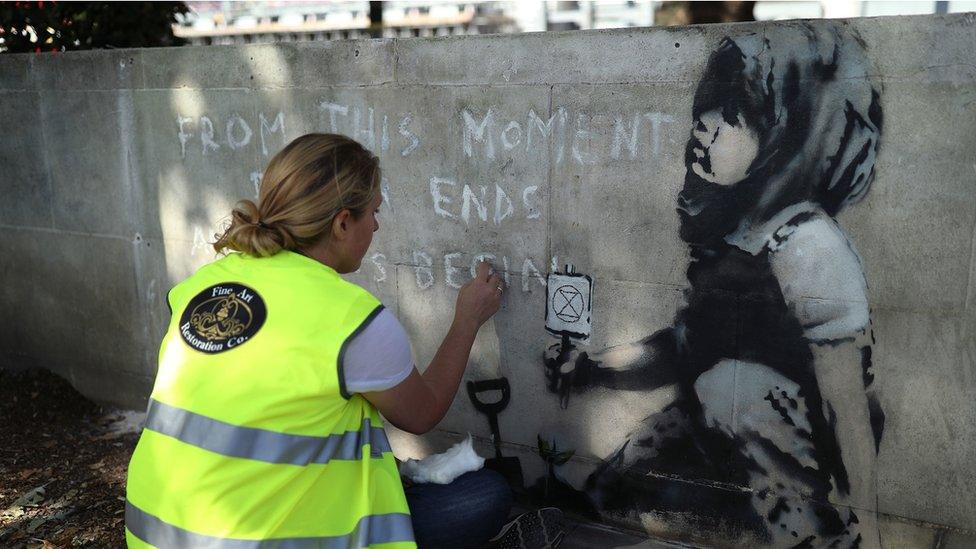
568	304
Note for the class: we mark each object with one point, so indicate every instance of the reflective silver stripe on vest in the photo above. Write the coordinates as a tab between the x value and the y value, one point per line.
260	444
371	530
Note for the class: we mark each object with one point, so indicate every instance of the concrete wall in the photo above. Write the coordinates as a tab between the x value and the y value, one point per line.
829	304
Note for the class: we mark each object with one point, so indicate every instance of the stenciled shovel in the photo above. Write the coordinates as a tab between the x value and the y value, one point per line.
509	467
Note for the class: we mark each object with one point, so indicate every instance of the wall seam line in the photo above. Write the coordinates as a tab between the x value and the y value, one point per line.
142	72
54	230
396	59
549	174
133	199
681	287
968	303
48	179
396	289
912	77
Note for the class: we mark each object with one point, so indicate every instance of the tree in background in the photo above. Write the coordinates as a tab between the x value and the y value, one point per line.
62	26
693	13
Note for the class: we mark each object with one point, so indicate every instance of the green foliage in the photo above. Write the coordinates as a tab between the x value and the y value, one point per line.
61	26
551	454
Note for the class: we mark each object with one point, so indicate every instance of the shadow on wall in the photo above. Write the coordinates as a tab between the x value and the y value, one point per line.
201	148
222	142
771	353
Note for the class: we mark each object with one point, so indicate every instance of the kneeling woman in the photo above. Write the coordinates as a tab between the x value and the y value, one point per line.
264	422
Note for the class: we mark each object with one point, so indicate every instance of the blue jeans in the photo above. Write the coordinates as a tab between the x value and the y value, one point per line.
465	513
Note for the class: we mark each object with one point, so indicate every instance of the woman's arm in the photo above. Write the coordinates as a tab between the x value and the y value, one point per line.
419	402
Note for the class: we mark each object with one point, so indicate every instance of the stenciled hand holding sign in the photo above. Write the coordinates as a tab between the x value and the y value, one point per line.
568	315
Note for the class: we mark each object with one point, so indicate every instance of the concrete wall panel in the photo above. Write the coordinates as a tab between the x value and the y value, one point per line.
217	67
959	540
899	533
192	169
927	220
56	328
89	161
659	55
925	365
927	53
15	72
24	179
618	154
344	63
87	70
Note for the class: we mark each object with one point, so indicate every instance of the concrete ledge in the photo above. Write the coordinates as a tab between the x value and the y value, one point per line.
87	70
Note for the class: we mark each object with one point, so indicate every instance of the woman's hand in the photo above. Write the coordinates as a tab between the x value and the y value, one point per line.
480	298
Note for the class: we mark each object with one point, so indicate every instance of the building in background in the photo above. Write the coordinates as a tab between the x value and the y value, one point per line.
834	9
281	21
227	22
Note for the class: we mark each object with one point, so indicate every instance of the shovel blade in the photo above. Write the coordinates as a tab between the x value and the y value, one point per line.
508	467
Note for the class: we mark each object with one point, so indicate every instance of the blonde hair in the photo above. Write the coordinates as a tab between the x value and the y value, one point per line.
305	186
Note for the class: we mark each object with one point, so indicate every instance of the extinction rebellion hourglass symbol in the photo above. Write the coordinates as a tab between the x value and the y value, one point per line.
567	303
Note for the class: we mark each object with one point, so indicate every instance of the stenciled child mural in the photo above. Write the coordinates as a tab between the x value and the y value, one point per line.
771	353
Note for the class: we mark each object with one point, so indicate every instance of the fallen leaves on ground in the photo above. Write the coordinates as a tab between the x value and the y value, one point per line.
62	473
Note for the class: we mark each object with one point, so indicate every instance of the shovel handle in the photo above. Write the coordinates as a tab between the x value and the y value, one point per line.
477	387
491	409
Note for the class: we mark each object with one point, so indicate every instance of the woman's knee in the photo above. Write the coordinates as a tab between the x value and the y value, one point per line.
465	513
490	493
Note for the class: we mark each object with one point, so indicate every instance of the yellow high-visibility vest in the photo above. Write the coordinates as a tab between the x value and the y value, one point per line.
251	439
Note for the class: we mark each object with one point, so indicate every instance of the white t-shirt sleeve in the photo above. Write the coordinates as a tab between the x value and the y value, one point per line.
379	357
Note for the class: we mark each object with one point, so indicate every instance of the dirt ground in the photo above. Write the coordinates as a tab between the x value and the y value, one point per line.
62	465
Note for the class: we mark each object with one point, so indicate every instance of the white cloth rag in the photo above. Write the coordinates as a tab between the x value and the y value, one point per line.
443	468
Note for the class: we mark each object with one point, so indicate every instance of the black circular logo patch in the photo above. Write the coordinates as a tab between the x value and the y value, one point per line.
222	317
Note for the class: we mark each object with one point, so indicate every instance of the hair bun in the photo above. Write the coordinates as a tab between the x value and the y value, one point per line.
303	188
